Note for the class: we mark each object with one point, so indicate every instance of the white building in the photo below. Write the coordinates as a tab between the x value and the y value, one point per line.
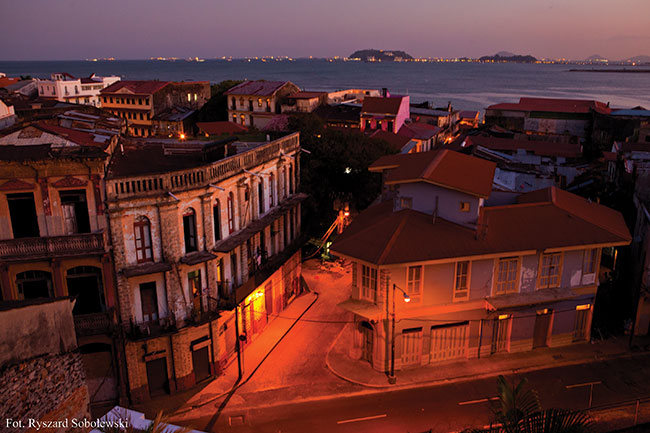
67	88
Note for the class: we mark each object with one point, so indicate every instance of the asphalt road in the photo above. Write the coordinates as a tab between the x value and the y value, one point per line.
442	408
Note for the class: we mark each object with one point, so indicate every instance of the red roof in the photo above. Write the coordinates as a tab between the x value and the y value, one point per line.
257	88
6	81
381	105
379	235
419	131
445	168
138	87
397	142
79	137
542	148
307	95
553	105
219	128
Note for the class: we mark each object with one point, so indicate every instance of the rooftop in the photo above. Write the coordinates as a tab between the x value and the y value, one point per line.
554	105
445	168
257	88
397	142
136	86
419	131
541	148
381	105
307	95
379	235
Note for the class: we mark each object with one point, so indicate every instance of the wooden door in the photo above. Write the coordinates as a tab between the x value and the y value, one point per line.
411	347
542	328
448	342
157	377
201	364
501	335
366	342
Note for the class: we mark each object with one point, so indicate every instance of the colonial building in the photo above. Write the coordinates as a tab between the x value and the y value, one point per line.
53	236
254	103
387	113
304	102
206	253
481	280
67	88
145	103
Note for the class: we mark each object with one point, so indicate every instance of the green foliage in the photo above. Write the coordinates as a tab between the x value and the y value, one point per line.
518	411
216	109
336	170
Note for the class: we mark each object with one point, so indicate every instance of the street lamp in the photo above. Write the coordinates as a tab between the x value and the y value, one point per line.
391	378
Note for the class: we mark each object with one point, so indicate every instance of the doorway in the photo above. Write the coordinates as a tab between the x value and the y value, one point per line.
157	377
75	211
366	341
542	333
85	283
22	213
201	364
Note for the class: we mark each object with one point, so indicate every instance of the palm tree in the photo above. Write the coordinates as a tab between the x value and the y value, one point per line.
518	411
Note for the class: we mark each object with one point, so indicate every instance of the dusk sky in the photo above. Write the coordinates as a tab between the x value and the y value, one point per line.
78	29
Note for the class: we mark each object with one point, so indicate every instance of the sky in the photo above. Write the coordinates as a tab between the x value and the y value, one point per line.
137	29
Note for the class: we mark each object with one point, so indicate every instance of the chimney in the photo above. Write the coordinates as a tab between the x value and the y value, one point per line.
449	106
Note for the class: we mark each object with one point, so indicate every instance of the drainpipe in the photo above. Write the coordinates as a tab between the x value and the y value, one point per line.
240	371
480	339
171	350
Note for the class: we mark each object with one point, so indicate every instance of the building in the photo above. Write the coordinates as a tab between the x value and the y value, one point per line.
344	117
54	240
220	129
398	143
571	119
41	372
387	113
7	115
206	253
350	95
254	103
469	119
304	102
66	88
175	122
140	102
426	136
481	280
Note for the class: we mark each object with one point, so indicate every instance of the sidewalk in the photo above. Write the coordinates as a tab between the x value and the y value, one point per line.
361	373
253	356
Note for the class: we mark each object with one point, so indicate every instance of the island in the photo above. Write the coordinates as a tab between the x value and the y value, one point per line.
373	55
509	58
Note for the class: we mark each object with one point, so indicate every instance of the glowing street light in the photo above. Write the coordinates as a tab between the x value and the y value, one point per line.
391	378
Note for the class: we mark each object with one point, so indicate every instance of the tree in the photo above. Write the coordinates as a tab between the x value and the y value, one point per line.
518	411
335	170
216	108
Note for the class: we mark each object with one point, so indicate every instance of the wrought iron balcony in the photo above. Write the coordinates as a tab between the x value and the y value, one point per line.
150	328
52	246
95	323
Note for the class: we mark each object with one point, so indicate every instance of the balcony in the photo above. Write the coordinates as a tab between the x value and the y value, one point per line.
95	323
150	328
52	246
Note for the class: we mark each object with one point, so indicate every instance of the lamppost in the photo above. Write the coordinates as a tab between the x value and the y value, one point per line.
391	378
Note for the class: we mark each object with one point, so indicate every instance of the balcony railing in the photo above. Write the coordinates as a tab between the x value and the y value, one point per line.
52	246
94	323
202	176
150	328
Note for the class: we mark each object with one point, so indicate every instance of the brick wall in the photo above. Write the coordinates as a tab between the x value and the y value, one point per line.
44	388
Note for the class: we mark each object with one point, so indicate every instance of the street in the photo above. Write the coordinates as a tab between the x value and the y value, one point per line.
445	408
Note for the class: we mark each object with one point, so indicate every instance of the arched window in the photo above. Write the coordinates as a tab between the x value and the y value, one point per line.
271	191
189	230
260	196
143	249
216	217
34	284
231	213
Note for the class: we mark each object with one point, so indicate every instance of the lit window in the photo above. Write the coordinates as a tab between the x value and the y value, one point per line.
464	206
414	281
406	203
506	278
195	97
549	274
259	102
589	262
461	284
368	283
189	97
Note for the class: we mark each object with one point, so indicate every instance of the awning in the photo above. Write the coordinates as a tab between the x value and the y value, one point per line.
366	309
541	296
197	257
146	268
233	241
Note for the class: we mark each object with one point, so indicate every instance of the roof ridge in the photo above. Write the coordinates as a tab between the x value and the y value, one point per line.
433	164
393	239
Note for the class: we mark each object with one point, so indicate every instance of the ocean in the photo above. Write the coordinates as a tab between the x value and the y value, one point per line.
468	86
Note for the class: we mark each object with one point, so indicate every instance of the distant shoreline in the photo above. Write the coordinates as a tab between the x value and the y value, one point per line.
616	71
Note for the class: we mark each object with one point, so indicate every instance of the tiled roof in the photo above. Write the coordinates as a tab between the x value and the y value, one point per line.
381	105
379	235
137	87
553	105
219	128
257	88
441	167
396	141
542	148
5	81
419	131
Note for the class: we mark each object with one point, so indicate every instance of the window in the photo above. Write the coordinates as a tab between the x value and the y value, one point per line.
195	288
189	230
506	278
589	261
290	180
139	101
549	274
271	193
464	206
195	97
34	285
243	120
368	283
260	196
22	213
216	218
234	118
189	97
143	249
414	281
405	203
149	301
259	102
461	284
231	214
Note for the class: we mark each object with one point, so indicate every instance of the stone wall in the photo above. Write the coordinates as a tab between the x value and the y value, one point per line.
50	387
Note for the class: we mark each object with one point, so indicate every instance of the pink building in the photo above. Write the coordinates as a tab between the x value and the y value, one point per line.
387	113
